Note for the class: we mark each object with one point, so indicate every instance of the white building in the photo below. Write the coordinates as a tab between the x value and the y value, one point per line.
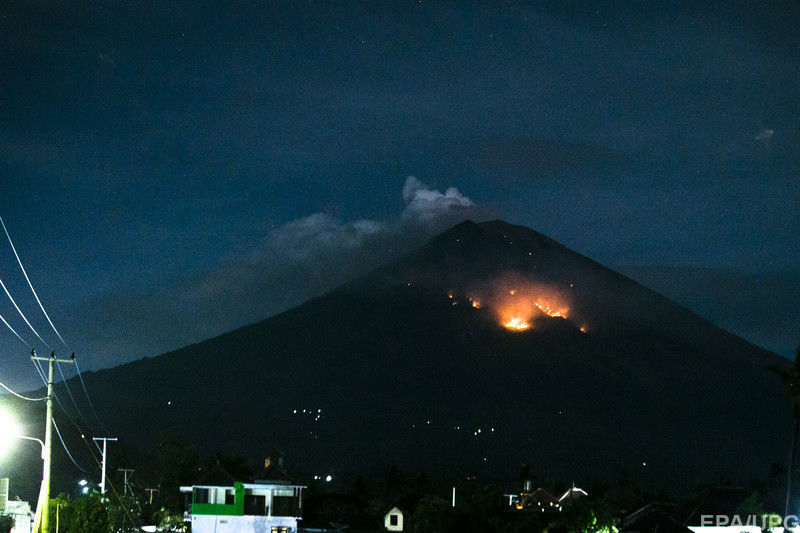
571	495
393	520
18	510
261	507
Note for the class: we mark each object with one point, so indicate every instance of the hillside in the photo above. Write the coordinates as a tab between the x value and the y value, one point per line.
413	364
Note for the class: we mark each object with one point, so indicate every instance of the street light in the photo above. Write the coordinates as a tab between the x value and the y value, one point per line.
10	429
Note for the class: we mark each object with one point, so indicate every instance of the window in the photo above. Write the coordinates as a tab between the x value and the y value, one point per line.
200	496
230	496
255	505
393	519
279	529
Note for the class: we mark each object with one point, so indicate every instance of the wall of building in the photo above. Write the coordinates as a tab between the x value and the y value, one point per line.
241	524
387	520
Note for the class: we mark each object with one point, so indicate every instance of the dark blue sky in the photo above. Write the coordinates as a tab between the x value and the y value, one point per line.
153	153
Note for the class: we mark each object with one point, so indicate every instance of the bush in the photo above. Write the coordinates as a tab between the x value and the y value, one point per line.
6	523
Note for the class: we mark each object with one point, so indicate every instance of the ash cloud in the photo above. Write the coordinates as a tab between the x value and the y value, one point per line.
296	261
431	207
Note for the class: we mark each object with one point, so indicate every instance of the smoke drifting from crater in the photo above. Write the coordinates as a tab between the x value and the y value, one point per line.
293	262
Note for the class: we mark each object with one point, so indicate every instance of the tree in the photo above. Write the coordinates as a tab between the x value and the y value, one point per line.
791	379
178	464
87	514
586	515
6	523
431	515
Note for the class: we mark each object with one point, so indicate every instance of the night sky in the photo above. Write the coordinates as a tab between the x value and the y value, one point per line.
172	170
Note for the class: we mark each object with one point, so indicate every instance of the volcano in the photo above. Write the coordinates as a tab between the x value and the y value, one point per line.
417	364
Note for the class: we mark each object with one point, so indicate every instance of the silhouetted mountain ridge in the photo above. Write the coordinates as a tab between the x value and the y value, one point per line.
407	363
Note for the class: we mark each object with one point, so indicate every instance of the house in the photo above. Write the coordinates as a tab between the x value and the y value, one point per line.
653	518
723	509
271	504
571	495
18	510
538	500
393	520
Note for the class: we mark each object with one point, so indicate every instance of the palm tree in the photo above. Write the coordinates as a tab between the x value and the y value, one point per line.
791	379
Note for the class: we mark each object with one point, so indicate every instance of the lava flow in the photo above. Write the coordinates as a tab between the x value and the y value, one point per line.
517	323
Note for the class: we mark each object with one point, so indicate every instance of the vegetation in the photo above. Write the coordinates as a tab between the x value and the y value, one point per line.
791	379
362	502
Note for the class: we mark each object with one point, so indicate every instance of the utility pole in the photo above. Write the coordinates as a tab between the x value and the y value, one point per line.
103	451
44	494
125	472
151	492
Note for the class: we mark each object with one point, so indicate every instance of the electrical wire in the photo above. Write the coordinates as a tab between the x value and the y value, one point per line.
40	370
23	315
110	486
91	405
14	332
31	285
71	397
67	449
85	391
20	395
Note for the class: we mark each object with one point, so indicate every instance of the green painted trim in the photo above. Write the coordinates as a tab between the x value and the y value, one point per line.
237	509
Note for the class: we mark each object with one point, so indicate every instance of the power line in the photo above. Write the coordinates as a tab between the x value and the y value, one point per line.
14	332
71	397
63	444
81	432
23	315
20	395
35	295
91	405
31	285
40	370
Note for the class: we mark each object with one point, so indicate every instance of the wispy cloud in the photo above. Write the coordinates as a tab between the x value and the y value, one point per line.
291	263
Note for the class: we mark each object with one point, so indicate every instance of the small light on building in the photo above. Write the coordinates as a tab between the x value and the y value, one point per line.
329	478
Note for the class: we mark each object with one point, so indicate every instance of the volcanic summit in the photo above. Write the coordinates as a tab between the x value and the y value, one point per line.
488	347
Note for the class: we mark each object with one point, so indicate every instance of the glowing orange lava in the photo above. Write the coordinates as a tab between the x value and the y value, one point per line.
519	303
550	311
517	323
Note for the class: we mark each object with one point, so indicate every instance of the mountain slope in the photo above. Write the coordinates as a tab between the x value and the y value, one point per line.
412	364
